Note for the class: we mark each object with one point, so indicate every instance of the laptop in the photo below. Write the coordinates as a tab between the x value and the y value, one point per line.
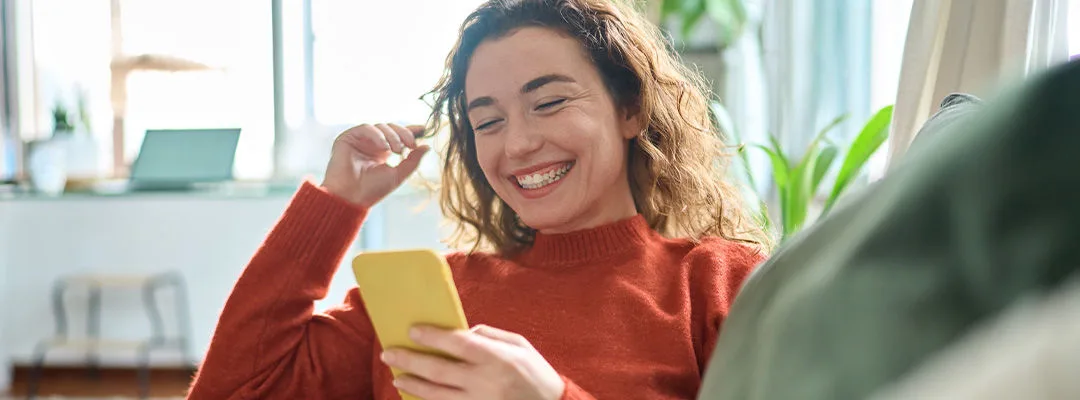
178	159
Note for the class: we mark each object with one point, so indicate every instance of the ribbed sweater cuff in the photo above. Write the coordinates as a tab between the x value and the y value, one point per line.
574	392
317	228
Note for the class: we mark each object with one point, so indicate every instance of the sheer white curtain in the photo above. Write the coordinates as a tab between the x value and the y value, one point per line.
5	356
9	143
745	95
809	65
971	46
8	139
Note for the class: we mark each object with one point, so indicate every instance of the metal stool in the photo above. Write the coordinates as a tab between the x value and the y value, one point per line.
93	343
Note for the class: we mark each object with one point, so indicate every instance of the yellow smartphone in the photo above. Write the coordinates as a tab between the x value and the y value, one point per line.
404	288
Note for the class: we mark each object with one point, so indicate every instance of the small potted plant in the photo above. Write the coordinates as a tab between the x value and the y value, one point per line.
61	119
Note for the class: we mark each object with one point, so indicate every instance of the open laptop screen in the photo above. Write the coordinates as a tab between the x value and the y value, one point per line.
185	156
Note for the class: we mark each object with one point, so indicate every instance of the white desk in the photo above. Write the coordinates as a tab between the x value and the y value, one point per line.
207	237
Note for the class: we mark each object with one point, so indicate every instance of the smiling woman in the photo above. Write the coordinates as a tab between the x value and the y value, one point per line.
554	150
618	100
581	159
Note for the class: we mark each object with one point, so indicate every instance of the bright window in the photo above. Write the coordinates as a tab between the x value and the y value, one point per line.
358	62
73	51
65	64
231	37
373	59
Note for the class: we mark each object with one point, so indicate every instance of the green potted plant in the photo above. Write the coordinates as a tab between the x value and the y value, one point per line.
61	119
798	178
729	16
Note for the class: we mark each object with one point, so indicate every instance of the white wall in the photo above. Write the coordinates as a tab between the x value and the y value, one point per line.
208	239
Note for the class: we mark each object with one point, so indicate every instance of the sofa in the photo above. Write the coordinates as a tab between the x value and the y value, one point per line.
980	217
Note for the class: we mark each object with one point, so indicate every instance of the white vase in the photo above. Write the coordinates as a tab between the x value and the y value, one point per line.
47	164
82	156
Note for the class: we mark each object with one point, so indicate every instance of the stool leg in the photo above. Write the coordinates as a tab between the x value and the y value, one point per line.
59	313
183	314
38	363
157	324
93	332
144	370
34	380
157	336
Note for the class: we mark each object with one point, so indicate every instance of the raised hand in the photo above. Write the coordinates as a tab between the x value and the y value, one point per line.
358	171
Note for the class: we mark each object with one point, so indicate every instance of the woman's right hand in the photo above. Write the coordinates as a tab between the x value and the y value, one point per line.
358	172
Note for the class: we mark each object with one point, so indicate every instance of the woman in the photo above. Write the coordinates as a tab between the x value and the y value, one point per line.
582	156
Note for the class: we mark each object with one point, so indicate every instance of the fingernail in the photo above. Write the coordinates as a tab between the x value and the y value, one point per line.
397	383
387	357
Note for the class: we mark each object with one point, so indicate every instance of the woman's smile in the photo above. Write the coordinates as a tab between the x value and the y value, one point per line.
538	181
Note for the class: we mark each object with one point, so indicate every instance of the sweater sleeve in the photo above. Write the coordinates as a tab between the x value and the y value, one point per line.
269	343
574	392
718	269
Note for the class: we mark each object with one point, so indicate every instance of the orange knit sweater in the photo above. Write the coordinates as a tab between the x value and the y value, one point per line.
619	311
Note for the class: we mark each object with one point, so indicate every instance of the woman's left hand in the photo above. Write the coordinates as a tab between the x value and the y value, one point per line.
495	364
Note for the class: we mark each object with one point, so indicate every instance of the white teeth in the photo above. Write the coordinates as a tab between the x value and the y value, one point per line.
536	181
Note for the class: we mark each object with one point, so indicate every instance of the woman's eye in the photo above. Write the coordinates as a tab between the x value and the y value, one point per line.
550	104
485	125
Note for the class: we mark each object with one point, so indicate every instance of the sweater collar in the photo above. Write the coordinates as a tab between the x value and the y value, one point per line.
588	244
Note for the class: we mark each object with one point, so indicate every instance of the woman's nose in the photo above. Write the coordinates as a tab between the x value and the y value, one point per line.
522	141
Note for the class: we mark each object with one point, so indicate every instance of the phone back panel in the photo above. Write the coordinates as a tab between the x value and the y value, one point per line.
404	288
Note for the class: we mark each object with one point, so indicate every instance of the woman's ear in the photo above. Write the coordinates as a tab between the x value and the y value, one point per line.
632	124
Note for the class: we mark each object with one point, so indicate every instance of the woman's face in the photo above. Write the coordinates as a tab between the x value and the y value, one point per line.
549	137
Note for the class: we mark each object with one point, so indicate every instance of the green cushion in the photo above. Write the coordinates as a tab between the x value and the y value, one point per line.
985	213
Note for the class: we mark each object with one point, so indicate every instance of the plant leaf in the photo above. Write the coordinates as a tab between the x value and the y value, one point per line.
814	152
785	183
691	13
805	177
795	203
730	17
873	134
802	191
828	127
822	165
669	7
779	164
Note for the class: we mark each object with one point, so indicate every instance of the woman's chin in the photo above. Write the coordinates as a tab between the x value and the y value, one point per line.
543	220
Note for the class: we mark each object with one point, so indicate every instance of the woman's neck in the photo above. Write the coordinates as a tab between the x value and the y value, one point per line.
594	243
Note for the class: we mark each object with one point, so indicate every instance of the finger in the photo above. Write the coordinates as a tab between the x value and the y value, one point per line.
501	335
391	137
365	139
431	368
461	344
410	163
406	136
417	130
427	390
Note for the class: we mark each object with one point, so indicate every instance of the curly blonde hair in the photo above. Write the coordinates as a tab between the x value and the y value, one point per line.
676	165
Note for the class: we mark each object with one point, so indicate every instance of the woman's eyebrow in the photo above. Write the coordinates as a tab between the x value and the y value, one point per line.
544	80
530	86
480	102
